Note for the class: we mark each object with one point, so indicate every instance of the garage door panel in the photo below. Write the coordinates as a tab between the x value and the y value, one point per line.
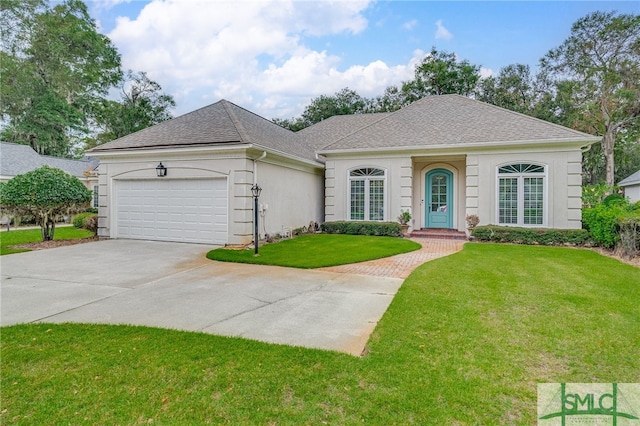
172	210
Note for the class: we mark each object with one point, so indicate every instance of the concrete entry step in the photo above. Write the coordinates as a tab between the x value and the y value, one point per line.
439	233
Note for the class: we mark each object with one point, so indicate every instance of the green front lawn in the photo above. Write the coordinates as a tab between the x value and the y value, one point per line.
318	250
465	341
25	236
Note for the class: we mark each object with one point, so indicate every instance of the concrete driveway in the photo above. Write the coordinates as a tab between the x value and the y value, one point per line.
173	285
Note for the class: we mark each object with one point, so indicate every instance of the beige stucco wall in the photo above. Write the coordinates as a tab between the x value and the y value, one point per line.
236	166
475	182
398	188
563	185
291	196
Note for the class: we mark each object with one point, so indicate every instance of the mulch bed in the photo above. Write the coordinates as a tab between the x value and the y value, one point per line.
55	243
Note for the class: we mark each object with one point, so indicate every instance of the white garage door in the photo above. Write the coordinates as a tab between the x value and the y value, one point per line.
186	210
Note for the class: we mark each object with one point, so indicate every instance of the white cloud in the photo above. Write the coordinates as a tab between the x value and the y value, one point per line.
485	72
251	53
442	32
410	25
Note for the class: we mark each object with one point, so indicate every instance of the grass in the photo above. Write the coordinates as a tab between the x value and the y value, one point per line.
465	341
319	250
25	236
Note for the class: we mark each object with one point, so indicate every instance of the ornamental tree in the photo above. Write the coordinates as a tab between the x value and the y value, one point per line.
46	194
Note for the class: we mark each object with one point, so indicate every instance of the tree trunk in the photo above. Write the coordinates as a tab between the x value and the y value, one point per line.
607	147
608	142
48	229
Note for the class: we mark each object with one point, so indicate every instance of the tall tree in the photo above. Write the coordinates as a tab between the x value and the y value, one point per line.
601	62
142	104
513	88
440	73
343	102
56	69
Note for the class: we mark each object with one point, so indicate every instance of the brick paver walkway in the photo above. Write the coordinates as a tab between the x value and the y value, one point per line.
401	265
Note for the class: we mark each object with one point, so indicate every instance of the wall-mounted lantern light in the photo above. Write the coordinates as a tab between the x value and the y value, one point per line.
161	170
255	191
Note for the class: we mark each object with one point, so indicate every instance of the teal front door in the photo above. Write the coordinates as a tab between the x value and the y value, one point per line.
439	196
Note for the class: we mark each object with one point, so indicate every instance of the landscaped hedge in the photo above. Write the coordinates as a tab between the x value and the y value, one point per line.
544	236
390	229
603	221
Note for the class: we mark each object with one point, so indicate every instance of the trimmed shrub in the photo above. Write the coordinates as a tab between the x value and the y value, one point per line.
47	194
389	229
79	219
629	225
614	199
91	223
543	236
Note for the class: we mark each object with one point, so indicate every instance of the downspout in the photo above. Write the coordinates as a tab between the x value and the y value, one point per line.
255	207
255	166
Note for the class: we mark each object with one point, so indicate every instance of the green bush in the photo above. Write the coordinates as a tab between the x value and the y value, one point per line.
594	194
80	219
388	229
614	199
629	232
47	194
91	223
602	221
543	236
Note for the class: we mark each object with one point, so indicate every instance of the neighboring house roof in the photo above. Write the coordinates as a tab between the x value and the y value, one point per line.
16	159
451	120
634	179
222	123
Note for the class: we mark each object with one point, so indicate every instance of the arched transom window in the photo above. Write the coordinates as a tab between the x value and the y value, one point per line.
521	194
366	193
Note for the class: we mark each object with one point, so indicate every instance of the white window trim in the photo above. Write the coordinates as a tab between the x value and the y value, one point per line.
95	200
520	177
366	192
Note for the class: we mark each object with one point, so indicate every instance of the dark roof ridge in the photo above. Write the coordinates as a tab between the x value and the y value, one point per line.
385	116
244	135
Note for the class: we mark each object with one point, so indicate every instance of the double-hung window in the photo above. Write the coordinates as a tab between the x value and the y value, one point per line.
521	194
366	194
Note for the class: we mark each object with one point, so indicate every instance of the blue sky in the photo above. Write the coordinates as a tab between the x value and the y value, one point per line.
273	56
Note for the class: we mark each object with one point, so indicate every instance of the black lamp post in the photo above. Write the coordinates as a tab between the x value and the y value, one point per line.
161	170
255	191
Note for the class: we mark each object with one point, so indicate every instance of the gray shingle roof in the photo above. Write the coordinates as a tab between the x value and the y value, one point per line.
337	127
451	120
16	159
631	180
217	124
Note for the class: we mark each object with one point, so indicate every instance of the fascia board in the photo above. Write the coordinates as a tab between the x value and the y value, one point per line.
235	149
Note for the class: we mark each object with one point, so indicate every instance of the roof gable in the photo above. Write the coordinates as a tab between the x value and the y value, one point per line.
452	120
